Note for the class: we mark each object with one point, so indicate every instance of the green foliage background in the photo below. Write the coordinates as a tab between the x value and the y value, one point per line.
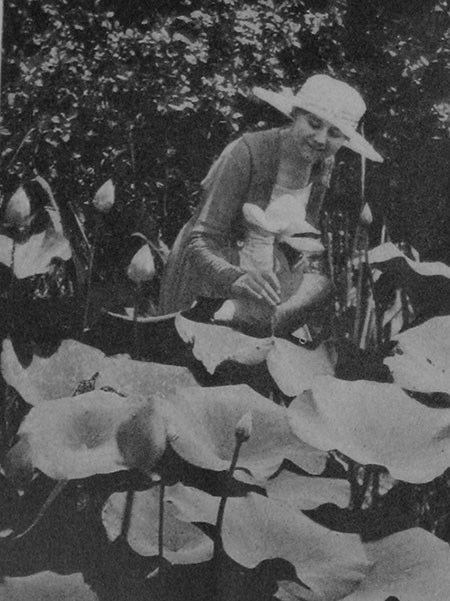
149	92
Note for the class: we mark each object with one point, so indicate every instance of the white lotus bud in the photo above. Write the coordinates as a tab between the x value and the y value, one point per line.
244	426
104	197
18	209
365	216
142	266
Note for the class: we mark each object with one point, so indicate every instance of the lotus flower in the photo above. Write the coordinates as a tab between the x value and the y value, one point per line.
142	266
18	210
104	197
366	216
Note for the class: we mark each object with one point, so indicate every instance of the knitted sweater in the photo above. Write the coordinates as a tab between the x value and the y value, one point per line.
204	258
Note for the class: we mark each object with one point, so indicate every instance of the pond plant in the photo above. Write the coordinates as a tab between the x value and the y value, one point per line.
125	477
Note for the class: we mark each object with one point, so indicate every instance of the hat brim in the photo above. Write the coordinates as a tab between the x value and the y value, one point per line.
285	101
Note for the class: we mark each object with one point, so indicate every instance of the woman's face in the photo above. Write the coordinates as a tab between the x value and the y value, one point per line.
314	138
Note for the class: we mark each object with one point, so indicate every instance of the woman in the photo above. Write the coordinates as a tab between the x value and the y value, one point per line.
265	192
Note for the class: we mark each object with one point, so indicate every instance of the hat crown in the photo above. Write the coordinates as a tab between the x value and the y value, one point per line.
331	99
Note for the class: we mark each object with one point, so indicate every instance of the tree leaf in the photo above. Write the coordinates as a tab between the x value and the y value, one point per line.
204	420
256	529
410	565
53	377
184	543
421	356
213	345
374	423
76	437
293	367
303	492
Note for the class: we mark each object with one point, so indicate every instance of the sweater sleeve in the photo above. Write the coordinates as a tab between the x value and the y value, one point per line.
225	189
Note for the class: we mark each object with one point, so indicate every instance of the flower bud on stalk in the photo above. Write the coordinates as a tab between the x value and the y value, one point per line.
104	197
142	266
243	429
365	216
18	210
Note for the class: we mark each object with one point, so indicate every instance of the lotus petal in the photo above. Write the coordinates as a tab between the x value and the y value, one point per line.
139	378
256	529
54	377
46	586
204	420
303	492
184	543
36	254
374	423
421	360
411	565
76	437
213	344
293	367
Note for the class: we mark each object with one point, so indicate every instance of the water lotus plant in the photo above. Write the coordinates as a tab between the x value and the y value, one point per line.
104	198
291	366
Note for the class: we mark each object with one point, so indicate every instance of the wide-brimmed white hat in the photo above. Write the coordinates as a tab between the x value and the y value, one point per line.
331	100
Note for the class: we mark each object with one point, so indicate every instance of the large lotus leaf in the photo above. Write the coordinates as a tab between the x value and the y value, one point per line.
53	377
213	345
421	361
76	437
46	586
183	542
35	254
303	492
203	422
144	379
388	251
412	565
293	367
374	423
256	528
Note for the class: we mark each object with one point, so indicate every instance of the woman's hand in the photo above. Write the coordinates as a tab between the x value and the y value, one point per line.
258	285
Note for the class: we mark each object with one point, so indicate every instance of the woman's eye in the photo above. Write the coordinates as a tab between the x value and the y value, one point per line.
334	132
315	123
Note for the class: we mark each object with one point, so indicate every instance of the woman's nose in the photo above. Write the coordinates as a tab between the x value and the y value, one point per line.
321	136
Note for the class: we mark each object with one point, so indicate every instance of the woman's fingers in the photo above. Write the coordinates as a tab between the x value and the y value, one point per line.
258	286
268	288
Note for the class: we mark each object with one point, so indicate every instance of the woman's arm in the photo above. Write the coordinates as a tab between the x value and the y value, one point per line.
225	190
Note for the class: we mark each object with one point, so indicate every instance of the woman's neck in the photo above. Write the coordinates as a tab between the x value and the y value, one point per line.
293	172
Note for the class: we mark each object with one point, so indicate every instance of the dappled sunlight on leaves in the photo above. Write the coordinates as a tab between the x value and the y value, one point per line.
183	542
374	423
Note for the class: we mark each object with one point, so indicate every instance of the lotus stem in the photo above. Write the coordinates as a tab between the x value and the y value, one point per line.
126	520
135	322
162	491
56	490
90	272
